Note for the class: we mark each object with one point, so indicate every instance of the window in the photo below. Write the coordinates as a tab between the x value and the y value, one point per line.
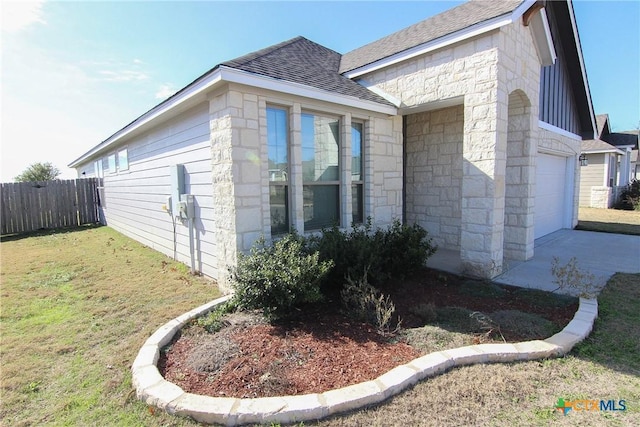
123	160
278	149
320	171
357	171
97	169
111	163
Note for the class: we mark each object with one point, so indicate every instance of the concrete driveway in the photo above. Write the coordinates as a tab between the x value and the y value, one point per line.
601	254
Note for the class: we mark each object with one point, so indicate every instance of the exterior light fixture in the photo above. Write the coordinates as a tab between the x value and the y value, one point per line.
583	160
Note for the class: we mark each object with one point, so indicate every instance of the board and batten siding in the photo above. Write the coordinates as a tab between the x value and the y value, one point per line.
557	101
134	197
591	175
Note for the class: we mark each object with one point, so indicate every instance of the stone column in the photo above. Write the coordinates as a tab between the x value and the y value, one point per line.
483	183
224	210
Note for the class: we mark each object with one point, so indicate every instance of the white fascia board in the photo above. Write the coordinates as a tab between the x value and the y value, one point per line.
375	89
539	25
154	114
233	75
547	34
602	151
431	106
574	27
444	41
555	129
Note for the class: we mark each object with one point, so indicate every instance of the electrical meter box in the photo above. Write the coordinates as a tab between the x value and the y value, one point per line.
176	174
186	206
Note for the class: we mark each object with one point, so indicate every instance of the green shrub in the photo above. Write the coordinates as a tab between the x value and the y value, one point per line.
213	321
278	278
630	198
352	253
405	249
395	252
365	303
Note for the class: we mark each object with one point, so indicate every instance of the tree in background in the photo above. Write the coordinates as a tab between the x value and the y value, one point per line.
38	172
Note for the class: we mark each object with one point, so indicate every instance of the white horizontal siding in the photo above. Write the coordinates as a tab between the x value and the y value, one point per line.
134	198
591	175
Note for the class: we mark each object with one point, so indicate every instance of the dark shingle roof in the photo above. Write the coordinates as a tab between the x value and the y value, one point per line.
623	138
302	61
450	21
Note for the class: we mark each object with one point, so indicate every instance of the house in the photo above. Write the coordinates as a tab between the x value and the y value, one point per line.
606	165
468	123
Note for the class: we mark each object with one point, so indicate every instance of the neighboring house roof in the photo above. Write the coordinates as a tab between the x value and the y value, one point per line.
302	61
602	121
432	28
624	139
598	146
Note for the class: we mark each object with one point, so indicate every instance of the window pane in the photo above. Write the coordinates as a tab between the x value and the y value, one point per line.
321	206
123	160
356	152
277	144
112	163
319	148
279	202
357	203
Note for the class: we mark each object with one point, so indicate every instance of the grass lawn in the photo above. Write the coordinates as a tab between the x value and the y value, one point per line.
77	306
609	221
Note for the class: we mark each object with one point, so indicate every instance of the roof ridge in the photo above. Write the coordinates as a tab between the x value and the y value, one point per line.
246	58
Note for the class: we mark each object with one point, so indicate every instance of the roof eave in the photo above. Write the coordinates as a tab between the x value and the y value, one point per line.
157	113
231	75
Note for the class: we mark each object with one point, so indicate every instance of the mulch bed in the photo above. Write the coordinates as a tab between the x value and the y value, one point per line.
322	349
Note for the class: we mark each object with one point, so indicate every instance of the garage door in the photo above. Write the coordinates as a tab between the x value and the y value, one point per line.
551	187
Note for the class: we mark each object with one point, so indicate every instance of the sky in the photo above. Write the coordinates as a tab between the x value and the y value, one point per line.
73	73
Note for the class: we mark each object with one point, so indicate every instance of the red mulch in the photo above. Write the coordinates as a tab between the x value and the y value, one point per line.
323	350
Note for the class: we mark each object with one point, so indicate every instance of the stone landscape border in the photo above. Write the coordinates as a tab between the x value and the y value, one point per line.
153	389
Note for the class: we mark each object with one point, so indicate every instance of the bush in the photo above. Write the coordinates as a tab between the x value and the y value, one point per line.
395	252
630	198
278	278
405	249
365	303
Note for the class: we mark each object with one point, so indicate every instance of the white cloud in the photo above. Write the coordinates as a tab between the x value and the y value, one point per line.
122	75
19	15
165	91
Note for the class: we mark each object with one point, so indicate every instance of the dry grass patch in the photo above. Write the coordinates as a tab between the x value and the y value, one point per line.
609	221
76	307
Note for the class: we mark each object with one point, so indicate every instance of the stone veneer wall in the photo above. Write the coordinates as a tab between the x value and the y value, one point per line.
434	173
481	72
238	123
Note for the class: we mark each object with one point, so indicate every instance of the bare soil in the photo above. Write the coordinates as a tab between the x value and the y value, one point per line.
321	348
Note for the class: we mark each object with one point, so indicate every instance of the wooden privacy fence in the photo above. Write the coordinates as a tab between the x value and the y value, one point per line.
30	206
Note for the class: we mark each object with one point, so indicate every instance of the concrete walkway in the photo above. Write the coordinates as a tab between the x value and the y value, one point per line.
601	254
